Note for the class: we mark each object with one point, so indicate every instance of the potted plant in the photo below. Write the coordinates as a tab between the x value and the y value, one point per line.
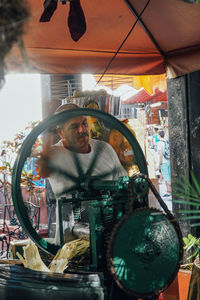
186	285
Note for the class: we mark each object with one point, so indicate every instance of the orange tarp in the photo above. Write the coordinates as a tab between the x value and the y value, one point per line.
166	40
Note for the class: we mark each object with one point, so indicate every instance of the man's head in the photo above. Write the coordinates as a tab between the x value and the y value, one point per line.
66	106
161	133
75	132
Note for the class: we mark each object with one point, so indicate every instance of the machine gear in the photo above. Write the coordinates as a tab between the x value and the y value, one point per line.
144	252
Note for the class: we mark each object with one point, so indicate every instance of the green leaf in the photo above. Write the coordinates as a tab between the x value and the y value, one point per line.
188	197
180	187
195	183
195	224
185	240
189	211
191	244
186	190
196	252
188	183
186	202
185	184
189	218
190	236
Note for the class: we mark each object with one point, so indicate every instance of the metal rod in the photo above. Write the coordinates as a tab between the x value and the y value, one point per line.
145	27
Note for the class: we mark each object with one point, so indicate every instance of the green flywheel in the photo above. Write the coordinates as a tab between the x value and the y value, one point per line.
144	253
41	130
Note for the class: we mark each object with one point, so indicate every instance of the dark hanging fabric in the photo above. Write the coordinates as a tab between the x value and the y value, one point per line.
49	8
76	20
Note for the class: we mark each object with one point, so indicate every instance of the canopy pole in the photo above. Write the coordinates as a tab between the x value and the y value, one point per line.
144	26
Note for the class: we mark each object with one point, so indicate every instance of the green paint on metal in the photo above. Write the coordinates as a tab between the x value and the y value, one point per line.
26	149
140	187
145	250
43	243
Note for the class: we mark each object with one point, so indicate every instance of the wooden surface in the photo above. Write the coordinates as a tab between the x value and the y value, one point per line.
10	261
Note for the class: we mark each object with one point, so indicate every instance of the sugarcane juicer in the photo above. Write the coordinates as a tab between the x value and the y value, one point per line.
138	249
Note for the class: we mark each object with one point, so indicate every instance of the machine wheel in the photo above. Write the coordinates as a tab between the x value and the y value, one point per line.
26	151
144	252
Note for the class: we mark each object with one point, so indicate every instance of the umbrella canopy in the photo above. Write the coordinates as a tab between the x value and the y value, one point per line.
164	39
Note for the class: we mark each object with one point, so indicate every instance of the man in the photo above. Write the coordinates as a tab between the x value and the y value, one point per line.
74	136
163	163
155	138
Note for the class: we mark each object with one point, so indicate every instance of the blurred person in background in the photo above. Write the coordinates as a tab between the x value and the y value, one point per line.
163	163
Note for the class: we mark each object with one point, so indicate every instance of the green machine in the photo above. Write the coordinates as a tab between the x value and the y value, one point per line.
135	249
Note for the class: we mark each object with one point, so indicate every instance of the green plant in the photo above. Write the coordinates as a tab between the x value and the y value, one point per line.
188	193
191	244
30	174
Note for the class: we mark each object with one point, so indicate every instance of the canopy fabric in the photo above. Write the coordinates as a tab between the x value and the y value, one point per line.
143	97
167	41
149	82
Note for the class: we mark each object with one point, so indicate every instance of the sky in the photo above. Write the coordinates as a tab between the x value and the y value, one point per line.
20	103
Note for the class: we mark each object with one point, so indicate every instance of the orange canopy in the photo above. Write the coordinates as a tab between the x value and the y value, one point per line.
165	40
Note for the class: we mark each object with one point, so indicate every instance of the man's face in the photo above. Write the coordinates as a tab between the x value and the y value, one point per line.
75	134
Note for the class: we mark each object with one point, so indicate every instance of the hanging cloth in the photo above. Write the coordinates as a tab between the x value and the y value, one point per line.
49	8
76	18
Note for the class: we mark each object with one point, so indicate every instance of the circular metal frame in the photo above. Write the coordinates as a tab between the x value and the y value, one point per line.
26	149
110	253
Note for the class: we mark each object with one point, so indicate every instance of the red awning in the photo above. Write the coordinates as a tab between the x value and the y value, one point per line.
143	97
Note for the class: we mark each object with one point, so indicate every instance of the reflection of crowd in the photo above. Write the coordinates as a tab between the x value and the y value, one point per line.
148	110
158	142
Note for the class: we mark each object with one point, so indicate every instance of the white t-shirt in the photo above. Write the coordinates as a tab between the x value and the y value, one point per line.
107	162
161	147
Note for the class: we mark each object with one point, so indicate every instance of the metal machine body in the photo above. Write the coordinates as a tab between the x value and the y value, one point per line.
137	249
130	242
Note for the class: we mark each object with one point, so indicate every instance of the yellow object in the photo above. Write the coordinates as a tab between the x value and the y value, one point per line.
149	82
33	261
115	139
68	251
93	122
133	171
122	147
